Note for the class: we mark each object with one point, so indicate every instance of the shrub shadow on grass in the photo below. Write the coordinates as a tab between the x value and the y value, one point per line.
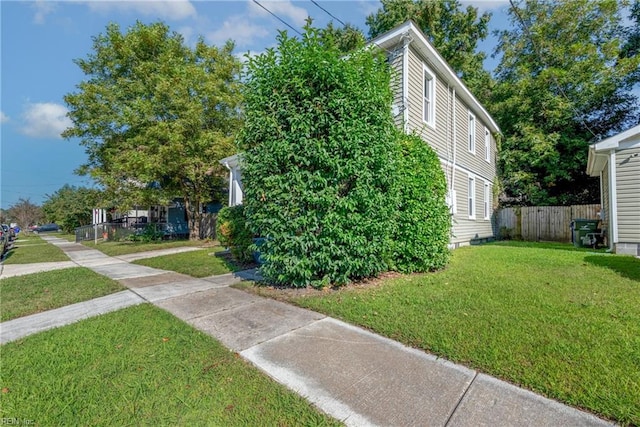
231	262
625	266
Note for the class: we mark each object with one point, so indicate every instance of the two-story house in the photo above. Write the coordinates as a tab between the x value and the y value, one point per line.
431	100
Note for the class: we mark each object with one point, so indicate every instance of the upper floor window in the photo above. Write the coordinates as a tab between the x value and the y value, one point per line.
472	133
429	97
487	145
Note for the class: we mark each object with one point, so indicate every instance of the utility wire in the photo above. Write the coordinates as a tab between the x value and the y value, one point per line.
277	17
329	13
525	27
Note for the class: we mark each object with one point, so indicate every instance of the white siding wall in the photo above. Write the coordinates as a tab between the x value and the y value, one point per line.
466	163
628	195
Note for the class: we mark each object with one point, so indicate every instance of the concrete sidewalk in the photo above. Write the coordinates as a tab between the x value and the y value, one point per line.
354	375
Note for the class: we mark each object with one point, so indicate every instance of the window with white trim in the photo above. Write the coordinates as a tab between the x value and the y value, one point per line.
429	97
472	198
487	145
487	200
472	133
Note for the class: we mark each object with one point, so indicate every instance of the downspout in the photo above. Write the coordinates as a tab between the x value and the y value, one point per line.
226	164
453	165
448	138
405	81
613	200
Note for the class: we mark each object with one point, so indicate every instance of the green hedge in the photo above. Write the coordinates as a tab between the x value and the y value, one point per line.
423	222
318	168
233	232
336	191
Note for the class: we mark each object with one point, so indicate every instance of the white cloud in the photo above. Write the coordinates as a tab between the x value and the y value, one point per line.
45	120
3	117
290	13
169	9
239	29
42	8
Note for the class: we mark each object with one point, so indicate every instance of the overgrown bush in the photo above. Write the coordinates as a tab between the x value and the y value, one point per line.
150	233
318	167
232	231
423	221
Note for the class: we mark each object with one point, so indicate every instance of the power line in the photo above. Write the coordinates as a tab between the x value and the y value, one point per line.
277	17
329	13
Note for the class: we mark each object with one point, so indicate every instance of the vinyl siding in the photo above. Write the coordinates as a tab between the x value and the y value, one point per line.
440	139
628	195
435	137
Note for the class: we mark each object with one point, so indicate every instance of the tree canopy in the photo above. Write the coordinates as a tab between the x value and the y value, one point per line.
71	207
563	83
155	116
454	31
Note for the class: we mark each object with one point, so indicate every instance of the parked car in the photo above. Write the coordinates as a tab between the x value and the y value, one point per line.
46	227
10	232
3	243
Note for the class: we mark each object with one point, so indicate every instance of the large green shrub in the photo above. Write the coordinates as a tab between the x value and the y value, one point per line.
423	222
318	169
233	232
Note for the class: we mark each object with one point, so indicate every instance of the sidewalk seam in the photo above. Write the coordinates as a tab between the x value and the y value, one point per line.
475	375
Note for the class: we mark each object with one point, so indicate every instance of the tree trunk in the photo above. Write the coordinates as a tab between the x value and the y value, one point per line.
194	218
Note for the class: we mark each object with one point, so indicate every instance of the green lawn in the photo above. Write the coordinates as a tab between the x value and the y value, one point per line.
30	248
201	263
553	319
33	293
124	248
140	366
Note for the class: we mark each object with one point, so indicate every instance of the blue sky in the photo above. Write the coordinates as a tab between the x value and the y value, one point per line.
40	40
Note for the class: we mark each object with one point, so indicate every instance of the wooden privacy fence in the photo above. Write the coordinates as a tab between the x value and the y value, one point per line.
542	223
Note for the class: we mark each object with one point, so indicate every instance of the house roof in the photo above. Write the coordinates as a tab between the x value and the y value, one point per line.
599	152
393	37
230	162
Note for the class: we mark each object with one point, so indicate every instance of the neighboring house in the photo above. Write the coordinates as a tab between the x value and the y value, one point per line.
235	179
430	100
616	160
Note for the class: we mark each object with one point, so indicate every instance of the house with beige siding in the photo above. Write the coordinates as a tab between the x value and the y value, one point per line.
616	160
431	100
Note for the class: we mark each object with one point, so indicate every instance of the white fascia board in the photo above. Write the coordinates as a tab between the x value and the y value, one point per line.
596	162
231	161
392	38
629	138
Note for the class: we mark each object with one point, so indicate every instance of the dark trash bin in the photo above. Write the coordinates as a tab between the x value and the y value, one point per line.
583	232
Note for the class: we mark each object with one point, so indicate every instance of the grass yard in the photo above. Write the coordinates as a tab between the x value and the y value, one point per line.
140	366
124	248
553	319
30	248
33	293
202	263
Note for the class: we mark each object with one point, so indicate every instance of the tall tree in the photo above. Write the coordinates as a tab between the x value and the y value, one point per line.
345	38
25	213
454	31
563	83
155	116
71	207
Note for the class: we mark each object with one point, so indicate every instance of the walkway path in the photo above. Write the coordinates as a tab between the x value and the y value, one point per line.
358	377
